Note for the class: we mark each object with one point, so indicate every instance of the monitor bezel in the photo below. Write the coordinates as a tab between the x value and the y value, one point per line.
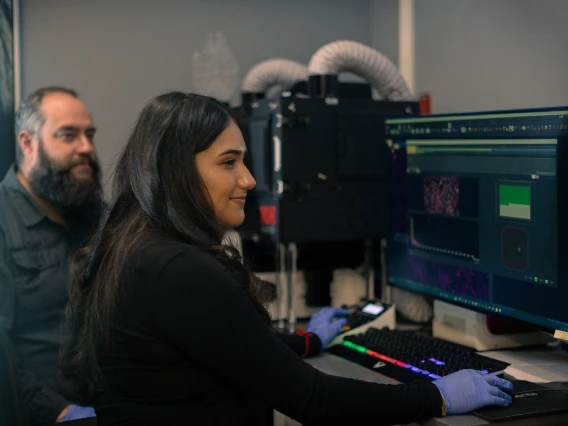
425	118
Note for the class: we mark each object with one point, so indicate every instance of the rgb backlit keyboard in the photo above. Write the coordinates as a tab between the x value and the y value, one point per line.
407	355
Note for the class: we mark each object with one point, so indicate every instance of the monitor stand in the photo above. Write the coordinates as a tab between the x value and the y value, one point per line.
482	332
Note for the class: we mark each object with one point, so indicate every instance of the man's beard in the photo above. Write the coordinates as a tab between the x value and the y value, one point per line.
55	183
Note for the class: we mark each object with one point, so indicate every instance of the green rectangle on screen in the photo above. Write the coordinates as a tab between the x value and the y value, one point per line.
515	201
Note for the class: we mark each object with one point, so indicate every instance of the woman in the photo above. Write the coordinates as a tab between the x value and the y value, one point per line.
169	326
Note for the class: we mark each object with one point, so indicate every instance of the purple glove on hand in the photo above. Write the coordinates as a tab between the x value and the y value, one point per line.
326	324
77	412
468	390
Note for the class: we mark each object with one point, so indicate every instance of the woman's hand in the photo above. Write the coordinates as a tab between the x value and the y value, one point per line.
468	390
326	324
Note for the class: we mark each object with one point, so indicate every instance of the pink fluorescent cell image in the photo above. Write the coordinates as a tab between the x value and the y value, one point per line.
442	195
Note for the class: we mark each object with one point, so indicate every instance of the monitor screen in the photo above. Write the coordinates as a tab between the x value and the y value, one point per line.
478	208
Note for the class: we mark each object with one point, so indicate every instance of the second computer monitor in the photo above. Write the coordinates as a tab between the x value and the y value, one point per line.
479	203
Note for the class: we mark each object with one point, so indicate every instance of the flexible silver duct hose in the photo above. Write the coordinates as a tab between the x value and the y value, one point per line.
281	72
413	306
350	56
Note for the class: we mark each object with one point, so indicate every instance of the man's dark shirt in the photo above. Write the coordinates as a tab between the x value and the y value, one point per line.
34	264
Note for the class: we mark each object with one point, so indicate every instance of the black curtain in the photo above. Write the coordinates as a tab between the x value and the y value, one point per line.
7	139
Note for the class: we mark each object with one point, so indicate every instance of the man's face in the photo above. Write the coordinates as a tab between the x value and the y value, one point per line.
65	168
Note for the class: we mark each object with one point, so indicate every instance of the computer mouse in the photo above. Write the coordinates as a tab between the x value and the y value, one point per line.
524	389
521	387
528	400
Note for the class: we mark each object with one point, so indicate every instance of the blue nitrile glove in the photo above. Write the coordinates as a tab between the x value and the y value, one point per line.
77	412
326	324
468	390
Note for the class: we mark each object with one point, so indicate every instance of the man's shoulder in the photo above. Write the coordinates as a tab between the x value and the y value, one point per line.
10	182
5	189
7	195
10	188
16	212
6	211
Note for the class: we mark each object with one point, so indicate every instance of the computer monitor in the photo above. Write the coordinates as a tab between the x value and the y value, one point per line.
480	211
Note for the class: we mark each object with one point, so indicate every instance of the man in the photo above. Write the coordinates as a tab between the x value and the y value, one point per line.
49	202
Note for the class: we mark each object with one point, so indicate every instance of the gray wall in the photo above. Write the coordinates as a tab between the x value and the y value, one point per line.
118	54
488	54
384	28
471	54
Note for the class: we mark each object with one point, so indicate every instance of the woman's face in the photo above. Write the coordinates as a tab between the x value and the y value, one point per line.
225	175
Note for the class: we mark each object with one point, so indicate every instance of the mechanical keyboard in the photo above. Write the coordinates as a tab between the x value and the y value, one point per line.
407	356
372	314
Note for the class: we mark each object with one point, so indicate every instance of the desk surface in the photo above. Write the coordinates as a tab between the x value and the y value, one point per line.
337	366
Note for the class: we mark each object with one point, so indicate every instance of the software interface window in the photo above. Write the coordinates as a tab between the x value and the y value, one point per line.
475	214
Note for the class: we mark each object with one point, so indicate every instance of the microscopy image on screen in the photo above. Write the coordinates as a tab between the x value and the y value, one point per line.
453	279
443	195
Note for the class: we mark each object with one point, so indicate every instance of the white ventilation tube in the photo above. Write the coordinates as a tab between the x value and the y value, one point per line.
350	56
283	73
413	306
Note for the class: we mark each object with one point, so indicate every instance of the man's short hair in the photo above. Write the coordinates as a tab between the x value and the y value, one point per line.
29	116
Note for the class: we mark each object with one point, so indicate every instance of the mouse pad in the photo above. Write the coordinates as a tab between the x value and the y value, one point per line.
529	399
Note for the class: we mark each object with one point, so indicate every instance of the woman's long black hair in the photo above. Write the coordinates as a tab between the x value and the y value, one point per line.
156	186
